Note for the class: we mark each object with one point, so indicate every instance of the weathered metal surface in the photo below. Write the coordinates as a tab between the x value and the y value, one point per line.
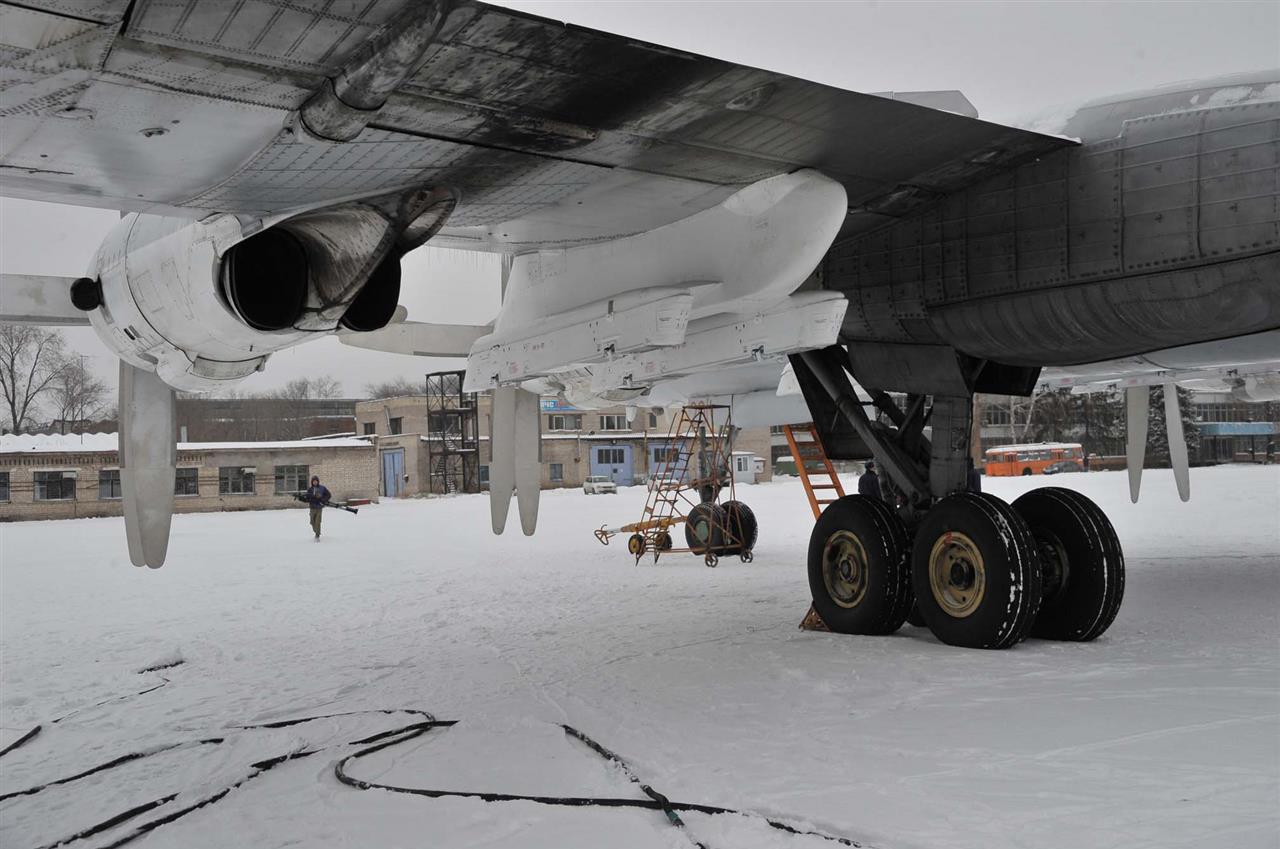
1166	235
189	107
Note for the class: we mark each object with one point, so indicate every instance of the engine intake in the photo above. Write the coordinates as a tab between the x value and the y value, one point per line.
265	278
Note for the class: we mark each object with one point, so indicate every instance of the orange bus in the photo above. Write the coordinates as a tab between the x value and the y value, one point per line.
1032	459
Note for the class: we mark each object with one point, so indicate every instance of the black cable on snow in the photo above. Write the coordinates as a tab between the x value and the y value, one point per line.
31	735
375	743
21	741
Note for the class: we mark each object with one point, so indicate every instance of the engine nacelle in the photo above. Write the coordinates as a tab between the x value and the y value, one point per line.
204	305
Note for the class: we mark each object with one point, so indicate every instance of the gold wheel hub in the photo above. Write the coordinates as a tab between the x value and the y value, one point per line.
957	574
845	569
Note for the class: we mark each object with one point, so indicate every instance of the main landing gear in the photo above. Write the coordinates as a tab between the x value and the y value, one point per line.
975	570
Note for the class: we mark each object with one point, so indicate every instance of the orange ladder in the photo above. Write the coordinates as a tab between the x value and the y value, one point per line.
814	467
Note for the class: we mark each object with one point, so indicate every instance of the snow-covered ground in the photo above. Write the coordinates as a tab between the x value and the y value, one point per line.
1164	733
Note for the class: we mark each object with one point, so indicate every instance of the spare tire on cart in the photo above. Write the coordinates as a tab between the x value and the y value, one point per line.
704	528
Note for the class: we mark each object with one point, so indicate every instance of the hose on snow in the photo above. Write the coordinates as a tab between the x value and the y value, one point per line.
422	724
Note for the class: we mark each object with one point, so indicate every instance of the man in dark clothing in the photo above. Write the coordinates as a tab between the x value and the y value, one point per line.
317	496
869	482
974	480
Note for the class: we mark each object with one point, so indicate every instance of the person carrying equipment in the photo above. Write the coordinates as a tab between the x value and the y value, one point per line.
317	496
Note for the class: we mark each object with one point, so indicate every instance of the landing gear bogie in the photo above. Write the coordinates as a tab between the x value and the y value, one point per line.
976	572
858	573
1081	561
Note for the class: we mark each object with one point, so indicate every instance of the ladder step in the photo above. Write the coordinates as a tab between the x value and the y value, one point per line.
824	486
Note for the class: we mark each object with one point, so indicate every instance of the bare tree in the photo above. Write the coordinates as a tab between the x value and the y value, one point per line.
294	413
393	388
31	359
301	388
76	394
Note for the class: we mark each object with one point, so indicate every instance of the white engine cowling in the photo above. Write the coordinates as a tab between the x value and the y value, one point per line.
203	305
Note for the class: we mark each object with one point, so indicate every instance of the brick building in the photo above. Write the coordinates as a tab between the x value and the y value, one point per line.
63	477
202	419
576	443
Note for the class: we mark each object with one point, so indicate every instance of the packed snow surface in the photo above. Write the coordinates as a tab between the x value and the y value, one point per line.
1163	733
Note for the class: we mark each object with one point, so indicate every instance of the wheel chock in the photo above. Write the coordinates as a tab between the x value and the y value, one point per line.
812	621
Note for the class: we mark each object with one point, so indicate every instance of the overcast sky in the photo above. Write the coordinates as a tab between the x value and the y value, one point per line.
1011	59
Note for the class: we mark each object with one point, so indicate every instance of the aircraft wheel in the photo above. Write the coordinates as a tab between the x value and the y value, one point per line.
704	528
858	572
976	572
742	527
635	544
1081	562
914	617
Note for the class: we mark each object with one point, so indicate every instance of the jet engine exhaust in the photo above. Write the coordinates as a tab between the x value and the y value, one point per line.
376	304
265	279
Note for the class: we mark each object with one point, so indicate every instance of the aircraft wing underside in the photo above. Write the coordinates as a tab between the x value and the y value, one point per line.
550	134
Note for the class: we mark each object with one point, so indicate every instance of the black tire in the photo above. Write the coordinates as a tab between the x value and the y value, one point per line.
866	538
1081	561
1026	472
664	541
914	617
704	528
636	545
742	527
987	587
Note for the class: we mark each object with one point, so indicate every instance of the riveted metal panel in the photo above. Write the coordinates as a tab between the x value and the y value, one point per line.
1159	184
992	264
1240	180
1093	211
1041	223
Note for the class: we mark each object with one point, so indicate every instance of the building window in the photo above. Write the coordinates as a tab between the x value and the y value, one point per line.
610	456
236	480
665	454
370	428
557	472
484	475
613	423
777	429
653	420
291	479
54	486
396	425
4	486
108	483
563	422
186	482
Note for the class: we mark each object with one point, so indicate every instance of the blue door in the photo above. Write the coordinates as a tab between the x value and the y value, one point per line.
613	461
393	472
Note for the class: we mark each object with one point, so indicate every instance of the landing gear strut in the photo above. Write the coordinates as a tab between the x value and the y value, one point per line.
979	572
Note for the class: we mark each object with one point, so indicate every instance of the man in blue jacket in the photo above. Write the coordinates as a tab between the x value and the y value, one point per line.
317	496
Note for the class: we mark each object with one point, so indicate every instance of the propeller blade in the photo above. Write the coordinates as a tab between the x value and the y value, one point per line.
37	299
527	438
148	457
1177	441
1137	401
419	339
502	465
